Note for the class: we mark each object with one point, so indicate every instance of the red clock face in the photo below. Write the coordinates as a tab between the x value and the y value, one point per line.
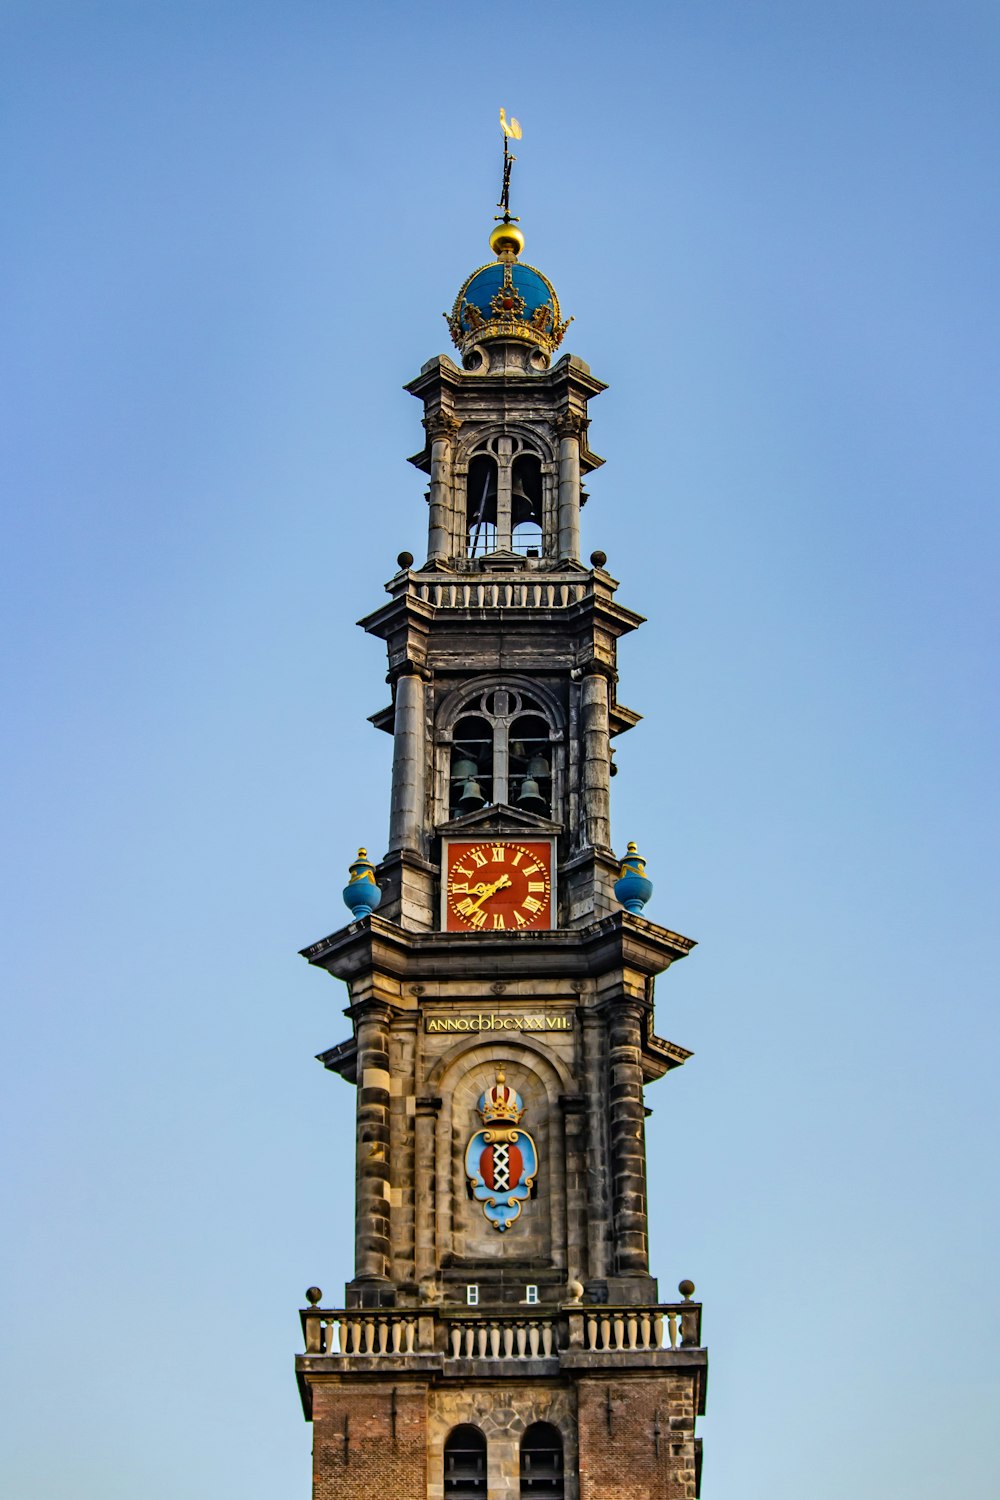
497	886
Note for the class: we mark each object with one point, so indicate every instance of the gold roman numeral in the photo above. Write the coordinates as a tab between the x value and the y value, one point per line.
532	904
536	885
498	921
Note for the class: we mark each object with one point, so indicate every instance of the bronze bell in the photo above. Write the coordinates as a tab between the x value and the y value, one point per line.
471	796
530	798
539	766
463	768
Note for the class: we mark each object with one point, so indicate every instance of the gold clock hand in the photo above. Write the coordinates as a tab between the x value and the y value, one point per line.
490	890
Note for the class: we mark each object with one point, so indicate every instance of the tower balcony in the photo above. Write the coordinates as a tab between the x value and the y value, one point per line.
466	1343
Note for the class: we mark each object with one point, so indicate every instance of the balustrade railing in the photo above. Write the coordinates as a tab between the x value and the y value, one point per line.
491	594
362	1333
503	1338
584	1328
612	1330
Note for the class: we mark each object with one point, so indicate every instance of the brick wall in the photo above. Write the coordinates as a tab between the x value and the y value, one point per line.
636	1438
368	1443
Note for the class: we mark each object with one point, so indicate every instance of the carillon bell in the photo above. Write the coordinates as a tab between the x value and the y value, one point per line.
530	797
463	769
472	795
520	496
538	766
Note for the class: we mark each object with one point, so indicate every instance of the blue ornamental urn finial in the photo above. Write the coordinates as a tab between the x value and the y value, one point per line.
632	888
361	894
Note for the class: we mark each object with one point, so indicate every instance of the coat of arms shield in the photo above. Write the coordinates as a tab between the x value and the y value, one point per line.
501	1161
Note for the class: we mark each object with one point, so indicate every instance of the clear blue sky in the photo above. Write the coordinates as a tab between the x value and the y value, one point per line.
231	231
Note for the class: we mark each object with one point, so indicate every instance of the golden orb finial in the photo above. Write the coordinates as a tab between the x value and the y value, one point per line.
506	238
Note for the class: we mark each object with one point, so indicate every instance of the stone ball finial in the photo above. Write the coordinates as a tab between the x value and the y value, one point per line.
405	559
686	1289
598	558
575	1289
313	1295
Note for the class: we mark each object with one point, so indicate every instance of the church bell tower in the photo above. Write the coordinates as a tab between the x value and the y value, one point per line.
502	1335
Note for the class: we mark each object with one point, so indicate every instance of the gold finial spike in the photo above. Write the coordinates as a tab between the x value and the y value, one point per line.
501	1076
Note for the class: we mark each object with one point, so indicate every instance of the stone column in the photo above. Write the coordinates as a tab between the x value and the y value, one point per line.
628	1153
568	427
371	1220
424	1126
409	760
595	732
441	429
597	1184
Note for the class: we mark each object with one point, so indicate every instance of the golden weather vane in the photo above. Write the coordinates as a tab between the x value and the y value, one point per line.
511	131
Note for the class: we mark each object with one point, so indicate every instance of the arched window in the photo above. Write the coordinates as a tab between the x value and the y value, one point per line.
542	1462
501	751
481	505
505	498
529	770
465	1464
471	784
526	506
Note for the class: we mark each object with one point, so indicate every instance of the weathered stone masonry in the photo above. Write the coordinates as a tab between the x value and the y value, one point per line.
502	1335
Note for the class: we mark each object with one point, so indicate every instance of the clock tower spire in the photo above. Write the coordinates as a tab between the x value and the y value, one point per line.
502	1334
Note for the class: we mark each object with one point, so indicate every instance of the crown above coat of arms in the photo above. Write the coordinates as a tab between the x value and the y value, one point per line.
500	1102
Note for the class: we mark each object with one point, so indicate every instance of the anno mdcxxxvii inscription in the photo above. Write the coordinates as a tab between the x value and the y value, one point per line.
492	1021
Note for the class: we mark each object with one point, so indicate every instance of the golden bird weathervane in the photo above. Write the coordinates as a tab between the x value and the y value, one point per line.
511	131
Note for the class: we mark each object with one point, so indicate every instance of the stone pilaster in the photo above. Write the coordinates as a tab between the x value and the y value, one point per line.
441	430
628	1152
409	760
595	733
568	428
371	1221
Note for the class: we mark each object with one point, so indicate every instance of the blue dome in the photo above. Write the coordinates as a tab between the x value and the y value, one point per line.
486	283
507	300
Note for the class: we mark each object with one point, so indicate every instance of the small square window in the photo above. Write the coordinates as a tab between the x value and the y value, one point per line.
531	1294
472	1296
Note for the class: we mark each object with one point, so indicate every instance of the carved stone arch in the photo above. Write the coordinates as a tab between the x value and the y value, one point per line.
478	440
494	1039
463	701
462	1231
454	704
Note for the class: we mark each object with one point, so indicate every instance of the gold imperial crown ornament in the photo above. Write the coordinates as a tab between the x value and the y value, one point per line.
505	299
500	1102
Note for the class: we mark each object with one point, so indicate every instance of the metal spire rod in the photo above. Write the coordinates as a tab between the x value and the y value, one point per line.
511	129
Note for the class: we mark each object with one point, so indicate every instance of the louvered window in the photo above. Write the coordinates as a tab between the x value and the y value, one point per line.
465	1465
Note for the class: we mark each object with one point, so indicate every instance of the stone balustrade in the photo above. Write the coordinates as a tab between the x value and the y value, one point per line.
485	593
362	1334
612	1330
503	1338
583	1329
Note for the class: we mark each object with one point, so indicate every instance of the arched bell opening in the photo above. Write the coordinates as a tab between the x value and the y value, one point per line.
530	764
465	1464
471	778
542	1468
481	505
526	505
